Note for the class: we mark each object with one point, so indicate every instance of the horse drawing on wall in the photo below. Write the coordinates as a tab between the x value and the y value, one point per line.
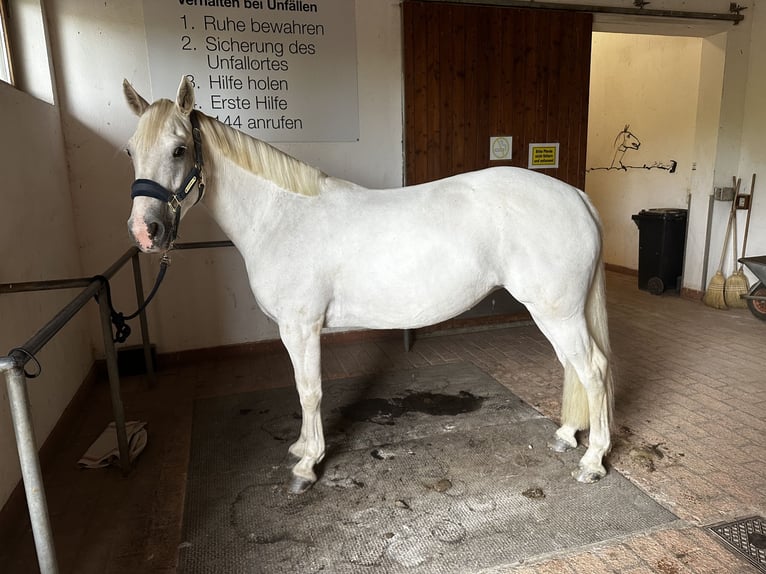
626	141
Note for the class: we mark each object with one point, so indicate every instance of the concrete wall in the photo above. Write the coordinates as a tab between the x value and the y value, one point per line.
725	81
37	241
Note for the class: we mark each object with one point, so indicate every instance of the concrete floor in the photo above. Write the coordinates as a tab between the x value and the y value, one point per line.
690	431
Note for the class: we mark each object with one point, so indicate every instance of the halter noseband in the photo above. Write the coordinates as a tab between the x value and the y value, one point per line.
150	188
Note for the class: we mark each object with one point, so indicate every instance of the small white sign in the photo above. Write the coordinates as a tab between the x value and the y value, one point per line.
500	148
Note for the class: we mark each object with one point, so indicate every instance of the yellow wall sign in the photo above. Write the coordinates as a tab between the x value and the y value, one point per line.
543	155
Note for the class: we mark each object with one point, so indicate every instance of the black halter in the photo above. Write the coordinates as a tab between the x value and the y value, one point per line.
150	188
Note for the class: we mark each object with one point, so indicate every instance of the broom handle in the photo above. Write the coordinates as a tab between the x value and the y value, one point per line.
725	241
737	183
747	221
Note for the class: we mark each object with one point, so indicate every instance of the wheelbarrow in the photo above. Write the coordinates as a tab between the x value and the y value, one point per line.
756	297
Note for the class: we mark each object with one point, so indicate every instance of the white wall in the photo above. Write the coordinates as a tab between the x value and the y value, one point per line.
37	242
709	100
651	83
205	301
726	62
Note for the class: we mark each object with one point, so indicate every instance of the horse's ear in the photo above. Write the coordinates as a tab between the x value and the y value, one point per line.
185	97
134	99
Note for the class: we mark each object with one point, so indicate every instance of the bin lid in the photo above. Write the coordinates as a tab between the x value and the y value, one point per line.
661	213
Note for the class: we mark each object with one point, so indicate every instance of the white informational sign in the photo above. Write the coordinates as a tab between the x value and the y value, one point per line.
282	71
543	156
500	148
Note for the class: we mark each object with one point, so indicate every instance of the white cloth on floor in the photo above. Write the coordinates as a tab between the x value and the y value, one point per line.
104	451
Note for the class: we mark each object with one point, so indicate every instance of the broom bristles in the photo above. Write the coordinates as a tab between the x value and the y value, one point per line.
735	286
714	296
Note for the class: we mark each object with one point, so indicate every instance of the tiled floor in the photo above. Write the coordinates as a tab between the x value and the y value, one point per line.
690	431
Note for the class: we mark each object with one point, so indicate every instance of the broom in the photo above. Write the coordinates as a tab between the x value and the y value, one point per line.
736	283
740	272
714	295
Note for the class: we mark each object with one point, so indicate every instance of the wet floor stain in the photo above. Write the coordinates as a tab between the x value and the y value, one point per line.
385	411
534	493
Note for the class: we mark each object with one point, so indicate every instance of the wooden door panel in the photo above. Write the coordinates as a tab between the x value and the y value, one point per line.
472	72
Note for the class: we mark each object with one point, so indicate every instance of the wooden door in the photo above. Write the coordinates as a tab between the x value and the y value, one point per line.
471	72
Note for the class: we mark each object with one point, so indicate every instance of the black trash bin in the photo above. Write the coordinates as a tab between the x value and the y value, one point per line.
661	242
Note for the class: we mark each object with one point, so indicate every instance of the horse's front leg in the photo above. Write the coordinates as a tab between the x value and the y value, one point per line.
302	343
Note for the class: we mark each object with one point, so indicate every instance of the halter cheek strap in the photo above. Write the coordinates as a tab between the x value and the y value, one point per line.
150	188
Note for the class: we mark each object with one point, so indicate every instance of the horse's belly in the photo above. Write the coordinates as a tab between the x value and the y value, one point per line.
408	301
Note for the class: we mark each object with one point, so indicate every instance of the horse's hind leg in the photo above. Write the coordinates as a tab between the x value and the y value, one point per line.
302	343
574	410
586	369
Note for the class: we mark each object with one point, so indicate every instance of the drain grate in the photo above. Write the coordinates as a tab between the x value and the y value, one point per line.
746	537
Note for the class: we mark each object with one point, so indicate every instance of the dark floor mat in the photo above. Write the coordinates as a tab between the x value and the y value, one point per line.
433	470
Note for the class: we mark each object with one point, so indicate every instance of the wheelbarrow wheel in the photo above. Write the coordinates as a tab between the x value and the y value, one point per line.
758	308
655	286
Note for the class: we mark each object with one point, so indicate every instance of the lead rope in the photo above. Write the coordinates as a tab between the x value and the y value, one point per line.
119	320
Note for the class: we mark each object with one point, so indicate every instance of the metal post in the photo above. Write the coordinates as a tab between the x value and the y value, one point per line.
409	337
705	259
150	375
30	469
114	381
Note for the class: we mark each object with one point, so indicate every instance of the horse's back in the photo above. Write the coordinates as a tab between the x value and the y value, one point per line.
522	216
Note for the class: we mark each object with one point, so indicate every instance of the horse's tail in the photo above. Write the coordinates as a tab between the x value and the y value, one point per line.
574	410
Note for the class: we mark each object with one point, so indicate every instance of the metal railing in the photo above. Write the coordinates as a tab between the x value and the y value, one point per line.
13	366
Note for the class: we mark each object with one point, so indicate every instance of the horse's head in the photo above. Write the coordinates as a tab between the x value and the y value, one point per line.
626	140
166	156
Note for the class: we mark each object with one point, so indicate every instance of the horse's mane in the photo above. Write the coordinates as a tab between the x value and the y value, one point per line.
249	153
261	158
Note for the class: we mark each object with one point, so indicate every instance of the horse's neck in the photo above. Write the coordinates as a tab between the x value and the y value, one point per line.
618	155
239	201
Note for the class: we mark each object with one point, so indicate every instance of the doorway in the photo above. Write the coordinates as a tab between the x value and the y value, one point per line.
642	130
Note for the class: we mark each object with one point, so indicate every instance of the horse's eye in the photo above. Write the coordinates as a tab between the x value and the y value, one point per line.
127	151
179	151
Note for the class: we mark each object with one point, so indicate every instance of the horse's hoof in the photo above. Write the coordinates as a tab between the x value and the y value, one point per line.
588	476
299	485
560	445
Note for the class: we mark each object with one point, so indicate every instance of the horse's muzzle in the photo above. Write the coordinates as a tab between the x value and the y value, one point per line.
150	230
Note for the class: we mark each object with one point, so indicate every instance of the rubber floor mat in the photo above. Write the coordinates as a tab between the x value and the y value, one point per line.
433	470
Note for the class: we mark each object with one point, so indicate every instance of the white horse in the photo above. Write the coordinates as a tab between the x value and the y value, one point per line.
323	252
